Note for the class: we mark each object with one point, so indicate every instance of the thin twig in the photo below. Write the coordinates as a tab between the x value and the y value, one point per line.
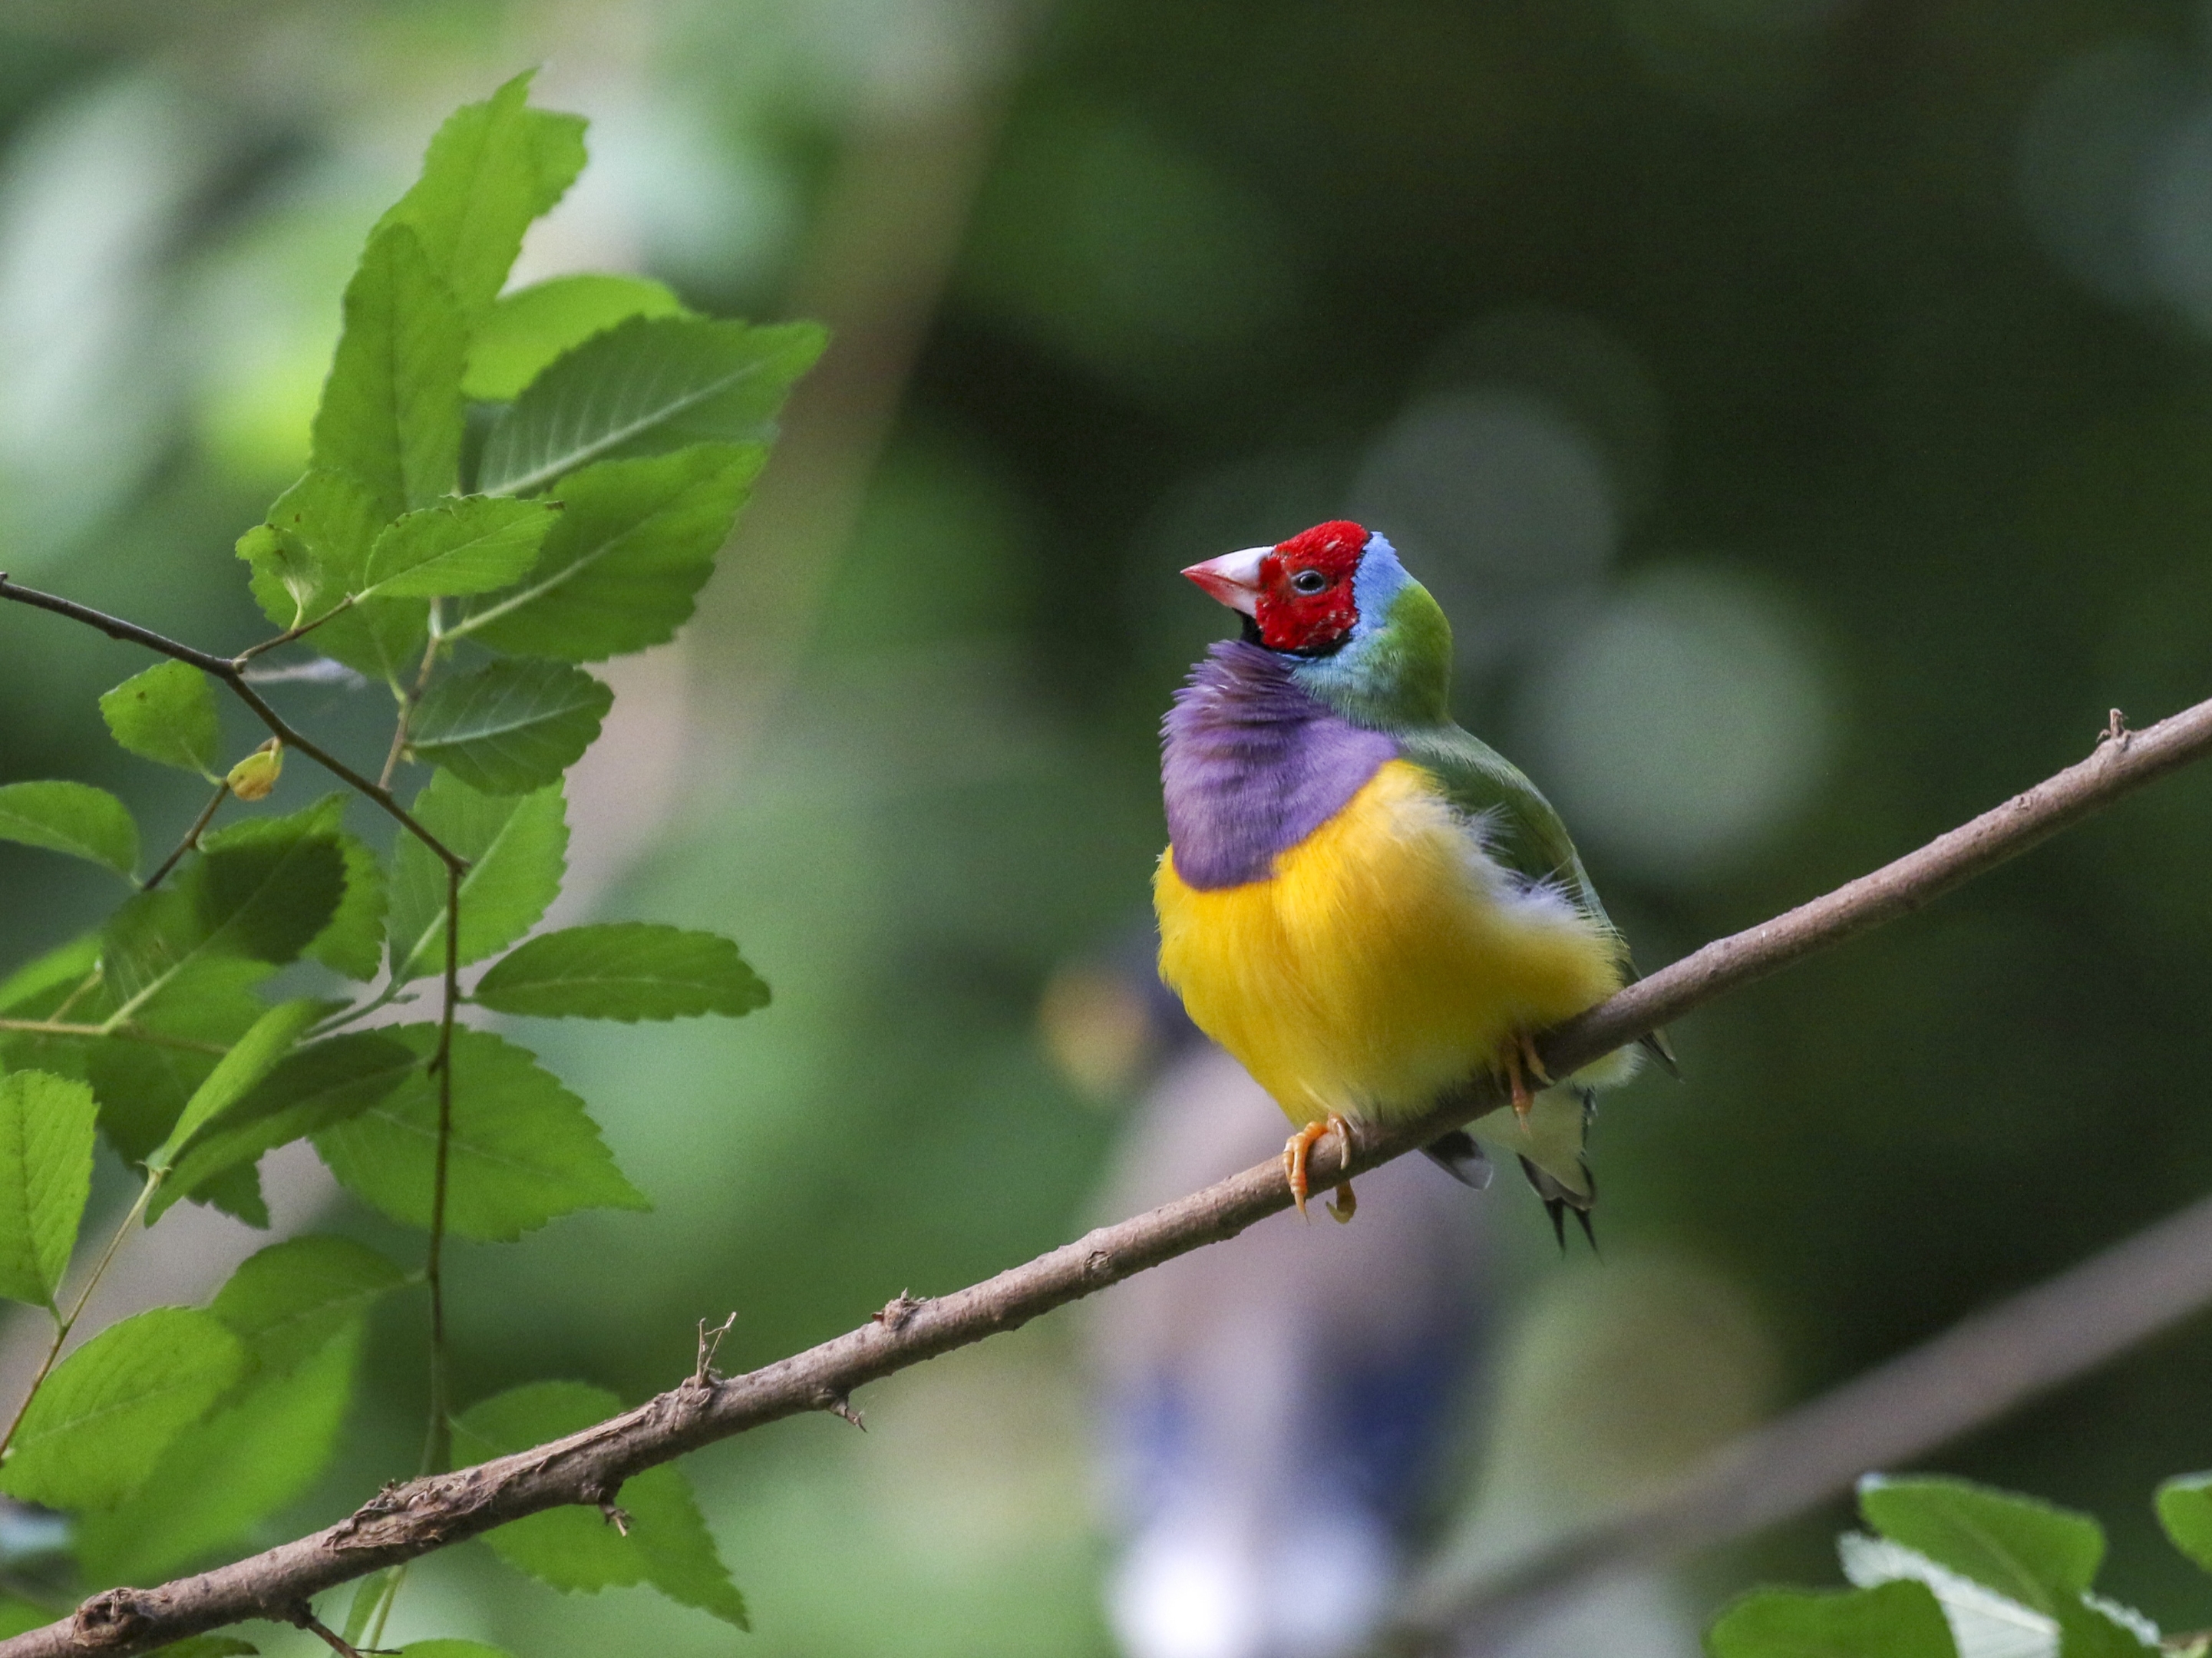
130	1033
191	835
1972	1373
231	675
428	1514
303	1616
408	699
437	1449
290	633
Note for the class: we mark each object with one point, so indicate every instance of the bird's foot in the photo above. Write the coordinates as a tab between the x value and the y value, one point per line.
1522	1062
1295	1151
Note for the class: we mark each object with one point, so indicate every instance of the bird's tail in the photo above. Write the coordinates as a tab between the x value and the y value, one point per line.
1459	1155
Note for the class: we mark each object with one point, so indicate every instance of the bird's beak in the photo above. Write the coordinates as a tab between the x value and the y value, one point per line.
1234	578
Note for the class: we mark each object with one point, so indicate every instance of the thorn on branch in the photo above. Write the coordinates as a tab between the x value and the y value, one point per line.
710	1343
896	1311
2116	731
839	1405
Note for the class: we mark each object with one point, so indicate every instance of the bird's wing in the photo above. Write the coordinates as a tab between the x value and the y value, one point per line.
1520	830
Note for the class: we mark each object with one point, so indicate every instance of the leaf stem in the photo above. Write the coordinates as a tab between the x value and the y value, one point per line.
64	1323
409	697
191	835
130	1033
300	630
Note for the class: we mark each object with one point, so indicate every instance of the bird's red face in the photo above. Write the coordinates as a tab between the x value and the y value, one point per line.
1297	593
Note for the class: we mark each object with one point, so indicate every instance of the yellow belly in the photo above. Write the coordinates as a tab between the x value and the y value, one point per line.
1380	960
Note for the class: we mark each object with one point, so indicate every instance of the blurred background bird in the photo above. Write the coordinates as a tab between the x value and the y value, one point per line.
1362	902
1276	1413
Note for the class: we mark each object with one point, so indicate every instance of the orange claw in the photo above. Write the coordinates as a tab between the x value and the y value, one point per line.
1295	1152
1521	1064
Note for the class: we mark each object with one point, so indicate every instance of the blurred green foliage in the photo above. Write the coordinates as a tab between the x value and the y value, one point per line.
1801	405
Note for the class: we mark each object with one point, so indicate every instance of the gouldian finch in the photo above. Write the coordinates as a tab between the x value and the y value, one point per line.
1361	902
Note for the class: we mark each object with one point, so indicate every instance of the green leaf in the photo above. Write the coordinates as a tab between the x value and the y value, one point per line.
2184	1508
523	1148
208	1646
251	1058
646	388
72	818
312	553
527	330
391	414
624	563
46	1174
1893	1620
316	1087
510	726
266	898
2089	1627
263	1446
516	847
167	715
110	1410
625	970
2027	1550
469	545
450	1648
289	1302
491	169
352	943
577	1549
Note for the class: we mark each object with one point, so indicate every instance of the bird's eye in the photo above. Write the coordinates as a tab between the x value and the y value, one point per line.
1309	581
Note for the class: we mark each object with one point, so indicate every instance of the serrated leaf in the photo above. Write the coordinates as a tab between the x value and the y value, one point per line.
516	845
1895	1620
251	1058
524	330
623	567
261	1448
576	1549
491	169
391	414
2184	1508
624	970
265	898
316	1087
2027	1550
142	1087
30	990
167	715
647	387
310	552
288	1302
511	726
110	1410
352	942
72	818
46	1125
471	545
523	1148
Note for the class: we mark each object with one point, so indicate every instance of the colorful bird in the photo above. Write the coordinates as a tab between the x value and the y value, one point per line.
1361	902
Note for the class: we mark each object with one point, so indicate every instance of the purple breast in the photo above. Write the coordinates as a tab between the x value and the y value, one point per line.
1251	765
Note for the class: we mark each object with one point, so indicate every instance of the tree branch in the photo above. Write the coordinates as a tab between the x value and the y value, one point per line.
233	674
1970	1374
405	1521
